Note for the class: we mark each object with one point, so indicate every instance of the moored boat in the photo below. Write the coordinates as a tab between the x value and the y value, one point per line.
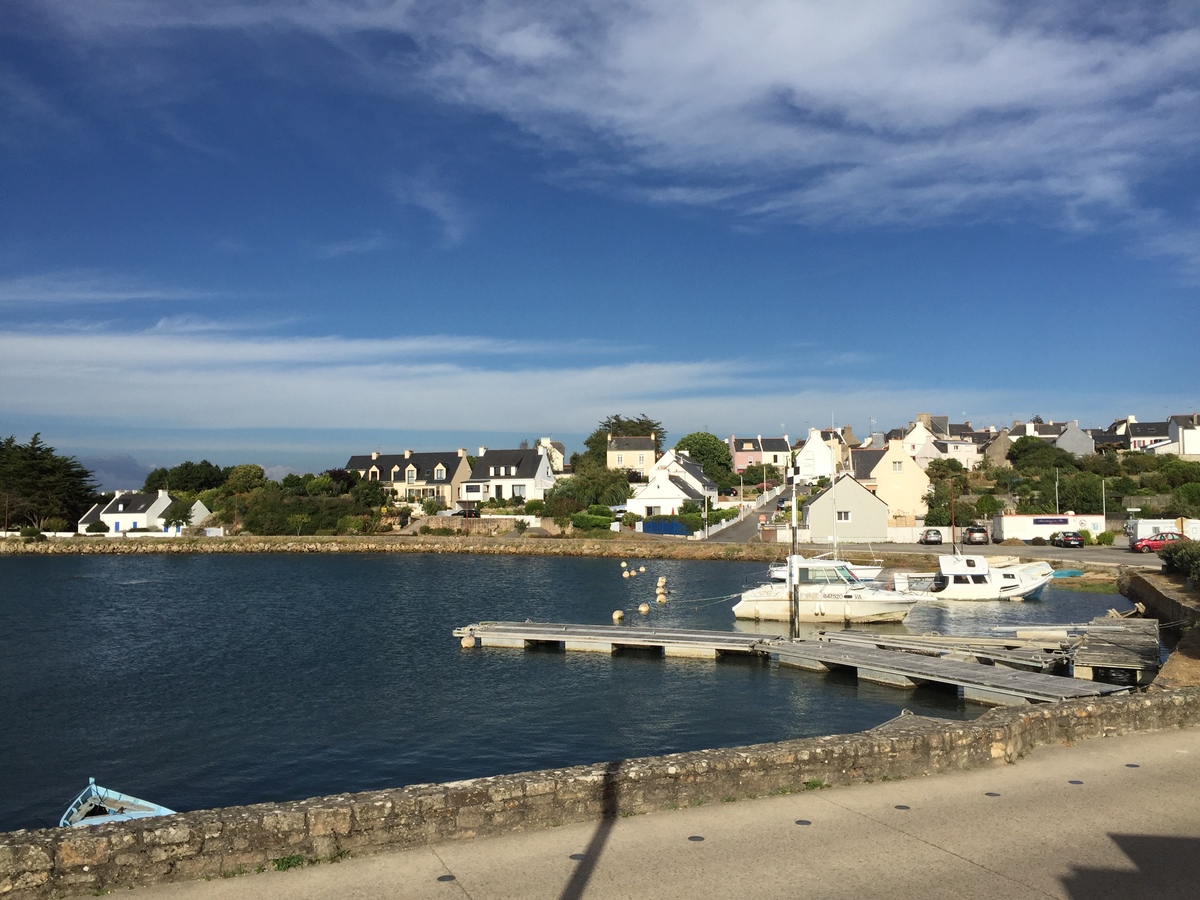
96	805
824	594
966	577
861	571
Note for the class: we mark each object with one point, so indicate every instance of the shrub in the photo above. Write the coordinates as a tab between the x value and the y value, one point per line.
30	531
350	525
1088	540
97	528
1105	538
56	524
521	525
439	530
430	506
1038	542
630	519
534	507
587	522
1183	558
599	509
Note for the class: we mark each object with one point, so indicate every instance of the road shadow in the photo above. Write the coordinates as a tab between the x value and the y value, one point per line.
1167	866
609	809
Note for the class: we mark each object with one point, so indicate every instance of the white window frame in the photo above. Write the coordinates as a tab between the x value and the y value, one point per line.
843	515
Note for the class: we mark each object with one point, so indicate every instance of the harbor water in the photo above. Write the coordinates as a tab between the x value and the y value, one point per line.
217	680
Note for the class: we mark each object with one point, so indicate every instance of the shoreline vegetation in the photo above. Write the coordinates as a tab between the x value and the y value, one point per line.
623	546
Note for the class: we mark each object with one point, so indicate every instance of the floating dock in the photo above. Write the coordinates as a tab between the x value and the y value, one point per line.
996	685
990	684
613	638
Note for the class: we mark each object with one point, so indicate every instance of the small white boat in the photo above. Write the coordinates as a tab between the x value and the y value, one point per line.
862	572
96	805
964	577
825	594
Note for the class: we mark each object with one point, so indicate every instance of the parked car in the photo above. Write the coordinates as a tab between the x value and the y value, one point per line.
1156	541
782	503
975	534
929	536
466	513
1067	539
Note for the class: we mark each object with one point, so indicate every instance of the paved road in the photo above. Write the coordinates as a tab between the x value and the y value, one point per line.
1106	819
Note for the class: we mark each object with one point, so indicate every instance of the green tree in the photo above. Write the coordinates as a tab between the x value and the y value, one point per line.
188	477
178	514
297	521
36	483
245	478
1029	453
589	485
1185	500
711	453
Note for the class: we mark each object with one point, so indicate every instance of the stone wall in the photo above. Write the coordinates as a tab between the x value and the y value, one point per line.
210	843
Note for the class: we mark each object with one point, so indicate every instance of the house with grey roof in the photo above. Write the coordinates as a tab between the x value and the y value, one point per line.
634	454
517	475
674	480
759	450
413	476
136	511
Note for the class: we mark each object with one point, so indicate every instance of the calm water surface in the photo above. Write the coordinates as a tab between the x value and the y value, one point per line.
203	681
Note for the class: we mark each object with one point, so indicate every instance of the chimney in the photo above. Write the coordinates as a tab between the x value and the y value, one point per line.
482	450
462	451
374	454
407	454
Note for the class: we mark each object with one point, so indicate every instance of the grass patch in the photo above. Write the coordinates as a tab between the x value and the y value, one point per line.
235	873
284	863
729	799
1086	585
815	784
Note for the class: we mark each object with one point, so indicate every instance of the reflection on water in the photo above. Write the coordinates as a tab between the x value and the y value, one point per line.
217	680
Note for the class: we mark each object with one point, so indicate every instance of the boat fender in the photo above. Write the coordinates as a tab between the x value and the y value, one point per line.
625	573
618	615
661	598
468	642
641	568
644	608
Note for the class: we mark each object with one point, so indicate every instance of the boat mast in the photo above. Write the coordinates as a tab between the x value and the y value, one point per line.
792	587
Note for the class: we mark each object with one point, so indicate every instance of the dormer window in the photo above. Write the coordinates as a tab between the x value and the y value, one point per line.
411	475
439	474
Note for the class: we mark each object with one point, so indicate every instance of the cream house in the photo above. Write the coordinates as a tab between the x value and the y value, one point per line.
895	478
414	476
632	454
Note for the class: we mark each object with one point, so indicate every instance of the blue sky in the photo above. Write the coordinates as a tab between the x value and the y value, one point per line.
291	230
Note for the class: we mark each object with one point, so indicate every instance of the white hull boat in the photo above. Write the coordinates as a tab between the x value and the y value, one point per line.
978	578
844	603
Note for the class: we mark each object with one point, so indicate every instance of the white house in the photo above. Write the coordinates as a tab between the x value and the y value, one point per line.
519	475
673	480
814	460
131	510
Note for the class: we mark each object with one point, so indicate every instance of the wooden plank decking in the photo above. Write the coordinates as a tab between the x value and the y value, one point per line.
982	683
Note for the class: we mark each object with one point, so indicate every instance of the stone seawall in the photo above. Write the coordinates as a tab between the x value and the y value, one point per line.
223	842
616	547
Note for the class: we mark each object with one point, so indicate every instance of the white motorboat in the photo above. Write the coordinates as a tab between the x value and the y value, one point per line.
825	594
965	577
862	572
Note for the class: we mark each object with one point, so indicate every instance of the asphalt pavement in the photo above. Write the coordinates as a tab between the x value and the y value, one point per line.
1106	819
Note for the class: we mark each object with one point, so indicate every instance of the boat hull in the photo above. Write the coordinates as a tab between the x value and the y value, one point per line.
833	604
1018	581
97	805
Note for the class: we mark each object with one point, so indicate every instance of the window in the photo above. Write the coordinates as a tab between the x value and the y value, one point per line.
620	459
439	474
411	476
373	475
843	515
641	459
472	489
518	491
898	466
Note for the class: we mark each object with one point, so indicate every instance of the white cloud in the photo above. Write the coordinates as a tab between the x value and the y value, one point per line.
82	287
811	111
371	243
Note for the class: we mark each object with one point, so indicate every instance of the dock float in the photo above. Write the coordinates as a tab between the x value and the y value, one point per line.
990	684
673	642
997	685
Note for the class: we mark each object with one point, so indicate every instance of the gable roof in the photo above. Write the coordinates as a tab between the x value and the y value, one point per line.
1147	429
424	463
524	463
865	461
696	471
132	502
840	480
631	443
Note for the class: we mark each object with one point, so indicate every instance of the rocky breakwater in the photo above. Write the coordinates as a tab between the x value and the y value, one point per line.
239	840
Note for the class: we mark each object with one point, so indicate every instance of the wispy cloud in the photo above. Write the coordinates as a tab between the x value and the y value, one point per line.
810	111
425	191
82	287
371	243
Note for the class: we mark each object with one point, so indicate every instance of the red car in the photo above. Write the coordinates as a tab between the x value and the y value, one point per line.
1156	541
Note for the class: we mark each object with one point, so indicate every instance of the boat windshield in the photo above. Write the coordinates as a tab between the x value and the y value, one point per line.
825	575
